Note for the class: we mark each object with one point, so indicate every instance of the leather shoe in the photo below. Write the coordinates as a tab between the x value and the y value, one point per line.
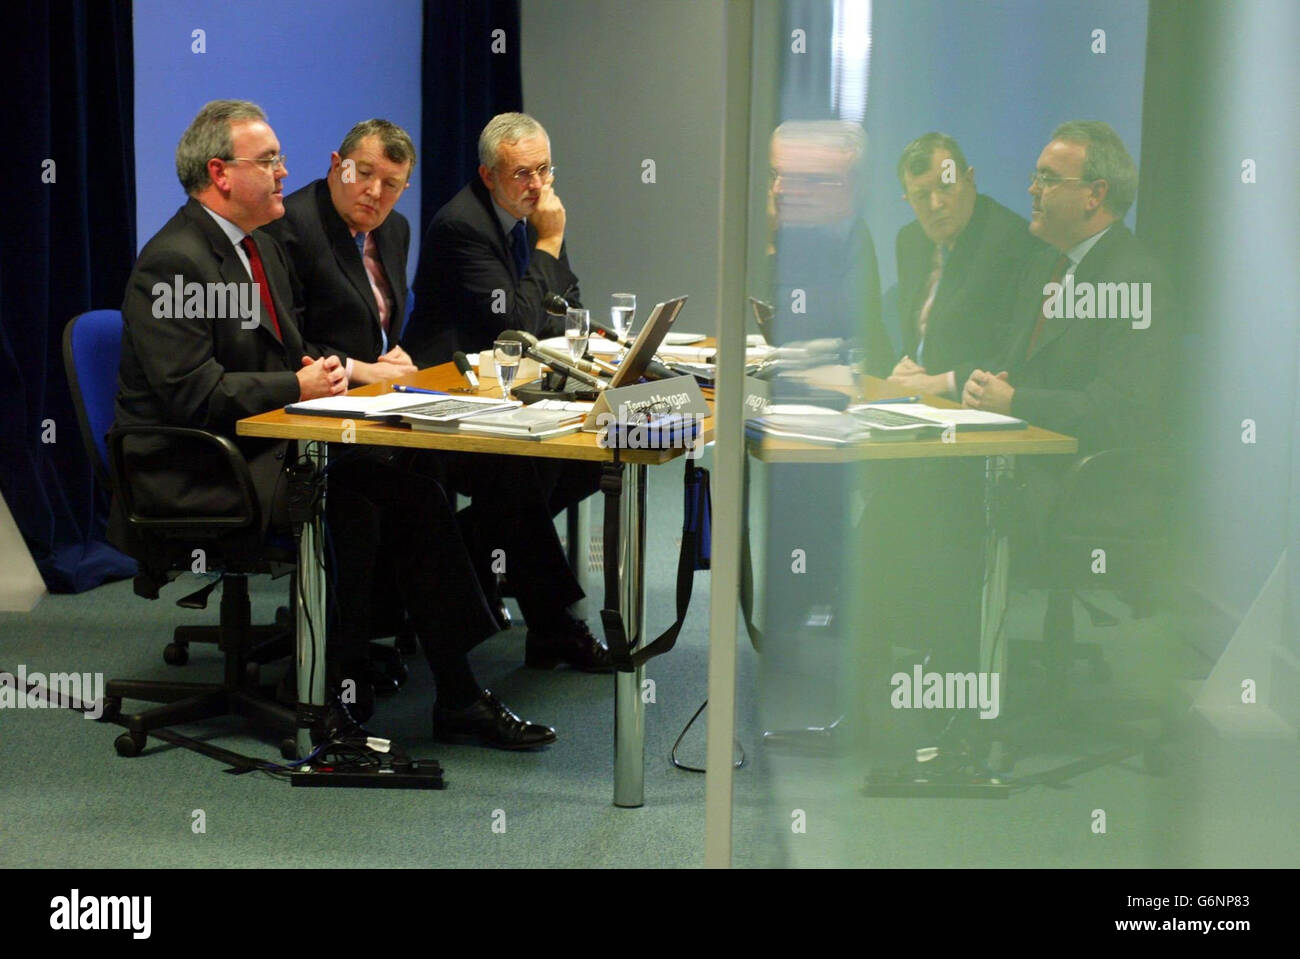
569	641
488	722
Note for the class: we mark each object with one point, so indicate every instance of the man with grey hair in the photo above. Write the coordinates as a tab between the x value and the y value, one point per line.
490	257
1092	351
495	250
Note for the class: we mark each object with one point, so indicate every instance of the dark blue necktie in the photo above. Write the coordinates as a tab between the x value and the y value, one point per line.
361	244
519	248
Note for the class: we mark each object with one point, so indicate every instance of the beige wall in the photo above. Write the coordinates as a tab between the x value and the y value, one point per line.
617	82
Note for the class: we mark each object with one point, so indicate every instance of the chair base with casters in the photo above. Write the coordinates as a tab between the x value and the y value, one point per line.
239	693
1134	554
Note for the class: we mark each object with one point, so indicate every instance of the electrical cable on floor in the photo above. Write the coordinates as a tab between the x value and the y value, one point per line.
695	769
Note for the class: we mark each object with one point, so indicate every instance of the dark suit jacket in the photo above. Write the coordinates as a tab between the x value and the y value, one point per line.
336	309
969	323
206	372
1099	380
464	261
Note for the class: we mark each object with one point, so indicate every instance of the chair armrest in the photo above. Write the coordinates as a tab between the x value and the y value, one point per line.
237	476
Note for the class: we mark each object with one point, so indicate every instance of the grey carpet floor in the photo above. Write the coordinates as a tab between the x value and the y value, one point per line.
66	799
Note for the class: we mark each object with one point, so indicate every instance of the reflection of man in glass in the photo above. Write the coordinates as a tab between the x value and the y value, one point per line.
958	262
825	285
825	279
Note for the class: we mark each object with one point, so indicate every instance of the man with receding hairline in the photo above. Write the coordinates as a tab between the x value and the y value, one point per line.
495	250
1105	379
489	258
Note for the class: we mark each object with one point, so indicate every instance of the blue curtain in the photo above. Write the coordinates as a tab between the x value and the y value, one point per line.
465	84
68	247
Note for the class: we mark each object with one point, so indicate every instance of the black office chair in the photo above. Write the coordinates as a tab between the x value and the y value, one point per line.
1136	551
164	545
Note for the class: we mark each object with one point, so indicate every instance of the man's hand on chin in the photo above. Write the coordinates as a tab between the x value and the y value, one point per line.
989	392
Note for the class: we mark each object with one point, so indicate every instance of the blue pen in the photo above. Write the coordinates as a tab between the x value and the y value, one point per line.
399	388
899	399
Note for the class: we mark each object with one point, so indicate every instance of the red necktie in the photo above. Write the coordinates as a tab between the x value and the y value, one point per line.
259	277
1058	271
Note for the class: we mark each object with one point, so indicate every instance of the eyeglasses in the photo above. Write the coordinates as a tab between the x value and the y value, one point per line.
544	172
1045	181
267	163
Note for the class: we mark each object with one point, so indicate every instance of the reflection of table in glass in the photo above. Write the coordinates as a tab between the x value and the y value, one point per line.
314	433
998	447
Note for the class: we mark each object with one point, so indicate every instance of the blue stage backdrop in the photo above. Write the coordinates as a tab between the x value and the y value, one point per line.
315	68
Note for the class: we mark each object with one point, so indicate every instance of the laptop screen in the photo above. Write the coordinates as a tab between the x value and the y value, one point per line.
648	340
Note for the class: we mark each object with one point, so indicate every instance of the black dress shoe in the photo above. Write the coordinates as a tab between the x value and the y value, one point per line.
569	641
488	722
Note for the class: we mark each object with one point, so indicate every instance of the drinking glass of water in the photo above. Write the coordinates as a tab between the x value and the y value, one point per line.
507	354
622	311
577	328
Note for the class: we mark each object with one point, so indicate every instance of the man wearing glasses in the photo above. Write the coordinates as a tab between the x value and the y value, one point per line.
958	263
490	257
494	252
1084	367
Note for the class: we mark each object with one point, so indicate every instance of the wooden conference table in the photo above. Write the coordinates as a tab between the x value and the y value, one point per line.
314	433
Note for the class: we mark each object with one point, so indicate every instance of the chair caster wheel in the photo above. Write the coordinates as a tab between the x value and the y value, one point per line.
112	709
176	654
289	749
130	743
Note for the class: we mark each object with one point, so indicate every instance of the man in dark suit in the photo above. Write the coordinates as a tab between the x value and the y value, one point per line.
958	263
347	249
199	367
495	250
1092	354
